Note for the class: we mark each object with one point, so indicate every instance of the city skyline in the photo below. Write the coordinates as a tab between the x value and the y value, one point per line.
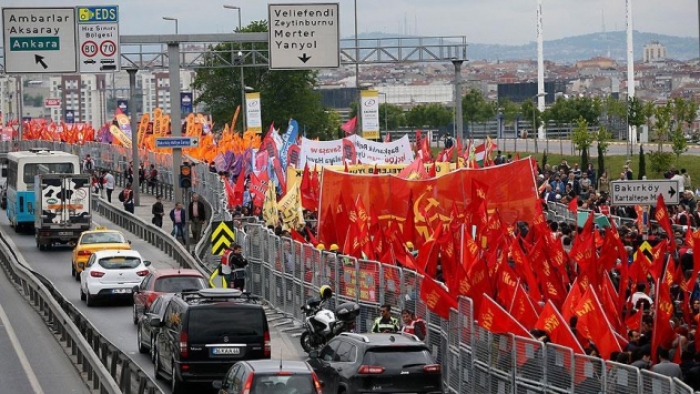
507	22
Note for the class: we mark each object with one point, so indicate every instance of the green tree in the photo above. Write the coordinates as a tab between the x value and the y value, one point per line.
588	109
660	160
602	138
429	115
636	112
529	110
647	113
642	163
394	116
582	140
510	111
283	94
473	104
544	158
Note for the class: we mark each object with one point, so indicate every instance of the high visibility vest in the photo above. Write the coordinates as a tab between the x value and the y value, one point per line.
385	326
226	261
410	328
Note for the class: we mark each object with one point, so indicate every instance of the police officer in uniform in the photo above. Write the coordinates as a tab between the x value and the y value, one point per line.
238	264
385	323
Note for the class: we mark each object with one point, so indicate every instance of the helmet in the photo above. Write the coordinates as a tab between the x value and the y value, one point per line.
409	245
334	247
321	247
326	292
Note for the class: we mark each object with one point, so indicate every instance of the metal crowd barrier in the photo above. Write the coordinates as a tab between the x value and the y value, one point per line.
105	368
285	273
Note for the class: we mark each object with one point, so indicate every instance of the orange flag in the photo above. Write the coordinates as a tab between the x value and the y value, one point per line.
495	319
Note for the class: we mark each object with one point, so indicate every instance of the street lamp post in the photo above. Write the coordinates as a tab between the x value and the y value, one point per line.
357	77
239	58
534	117
170	18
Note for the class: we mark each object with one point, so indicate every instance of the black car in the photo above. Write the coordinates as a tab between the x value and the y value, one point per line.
377	363
203	333
146	334
269	376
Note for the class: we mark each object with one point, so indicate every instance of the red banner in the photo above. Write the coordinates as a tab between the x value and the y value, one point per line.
512	191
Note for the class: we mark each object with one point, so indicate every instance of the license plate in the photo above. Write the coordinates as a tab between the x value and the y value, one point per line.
121	291
65	233
222	351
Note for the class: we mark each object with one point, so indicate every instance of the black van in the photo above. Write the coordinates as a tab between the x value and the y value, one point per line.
203	333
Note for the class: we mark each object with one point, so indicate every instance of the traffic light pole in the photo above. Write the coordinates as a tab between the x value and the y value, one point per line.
135	158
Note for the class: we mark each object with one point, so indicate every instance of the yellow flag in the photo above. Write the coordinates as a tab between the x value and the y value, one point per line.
157	121
143	127
289	206
270	212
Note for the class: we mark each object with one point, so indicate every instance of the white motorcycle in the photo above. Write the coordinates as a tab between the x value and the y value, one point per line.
322	324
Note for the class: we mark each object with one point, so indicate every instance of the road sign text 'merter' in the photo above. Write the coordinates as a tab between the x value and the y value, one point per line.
304	36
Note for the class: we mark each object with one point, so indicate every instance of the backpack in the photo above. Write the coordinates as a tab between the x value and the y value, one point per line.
88	165
121	196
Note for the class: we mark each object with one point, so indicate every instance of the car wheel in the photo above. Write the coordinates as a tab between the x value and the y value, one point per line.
134	315
156	364
89	299
77	276
139	338
73	272
176	386
82	294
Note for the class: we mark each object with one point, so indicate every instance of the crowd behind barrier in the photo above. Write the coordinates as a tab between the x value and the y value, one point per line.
285	273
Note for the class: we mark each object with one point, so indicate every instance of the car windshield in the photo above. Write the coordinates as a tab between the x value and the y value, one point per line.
116	263
275	384
176	284
408	356
207	322
102	238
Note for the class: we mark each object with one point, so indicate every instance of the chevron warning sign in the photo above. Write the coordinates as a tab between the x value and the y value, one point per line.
221	237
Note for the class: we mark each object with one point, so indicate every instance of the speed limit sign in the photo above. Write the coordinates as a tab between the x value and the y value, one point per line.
98	37
88	49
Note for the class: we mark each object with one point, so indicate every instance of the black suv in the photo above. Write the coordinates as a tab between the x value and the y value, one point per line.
376	363
203	333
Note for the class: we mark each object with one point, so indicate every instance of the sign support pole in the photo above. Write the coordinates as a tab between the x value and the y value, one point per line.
135	158
175	115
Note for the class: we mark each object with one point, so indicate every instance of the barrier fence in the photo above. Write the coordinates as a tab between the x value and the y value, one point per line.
285	272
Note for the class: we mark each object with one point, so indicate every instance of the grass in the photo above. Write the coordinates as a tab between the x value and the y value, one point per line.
614	163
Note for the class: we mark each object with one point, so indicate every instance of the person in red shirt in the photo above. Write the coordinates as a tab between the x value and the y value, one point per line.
413	325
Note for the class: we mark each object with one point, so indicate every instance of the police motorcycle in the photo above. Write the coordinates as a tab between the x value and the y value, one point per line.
322	324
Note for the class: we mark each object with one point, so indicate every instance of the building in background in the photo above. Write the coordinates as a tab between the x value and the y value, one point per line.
82	98
654	52
155	88
8	98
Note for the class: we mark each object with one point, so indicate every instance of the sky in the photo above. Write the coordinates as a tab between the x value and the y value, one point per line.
510	22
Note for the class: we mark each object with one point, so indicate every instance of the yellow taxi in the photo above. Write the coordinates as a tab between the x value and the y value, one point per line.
101	238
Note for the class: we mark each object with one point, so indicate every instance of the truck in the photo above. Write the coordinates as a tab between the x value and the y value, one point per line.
64	208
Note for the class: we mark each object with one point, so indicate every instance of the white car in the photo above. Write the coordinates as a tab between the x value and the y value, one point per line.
112	274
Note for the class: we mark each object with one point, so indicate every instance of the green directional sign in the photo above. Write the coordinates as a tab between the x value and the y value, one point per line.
35	44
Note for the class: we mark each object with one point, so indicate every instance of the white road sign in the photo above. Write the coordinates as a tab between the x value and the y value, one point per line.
39	40
644	192
98	38
304	36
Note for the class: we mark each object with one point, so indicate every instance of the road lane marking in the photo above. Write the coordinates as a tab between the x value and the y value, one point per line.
33	381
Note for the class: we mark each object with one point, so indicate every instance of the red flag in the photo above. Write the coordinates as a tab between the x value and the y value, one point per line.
573	205
258	188
436	298
230	193
522	307
663	312
298	237
350	126
346	167
240	189
557	328
594	325
409	226
387	136
516	156
690	284
661	216
414	171
309	198
433	171
506	285
495	319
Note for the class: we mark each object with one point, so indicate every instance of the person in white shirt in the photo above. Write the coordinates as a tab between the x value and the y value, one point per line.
640	295
108	180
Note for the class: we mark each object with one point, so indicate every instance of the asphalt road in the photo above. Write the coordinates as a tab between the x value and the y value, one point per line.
25	339
113	320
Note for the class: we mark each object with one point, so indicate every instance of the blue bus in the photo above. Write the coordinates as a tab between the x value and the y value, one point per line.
22	167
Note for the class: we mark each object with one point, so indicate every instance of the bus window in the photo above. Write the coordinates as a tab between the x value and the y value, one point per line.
3	172
12	174
33	169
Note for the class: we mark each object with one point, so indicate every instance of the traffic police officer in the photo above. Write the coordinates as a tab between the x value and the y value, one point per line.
386	323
